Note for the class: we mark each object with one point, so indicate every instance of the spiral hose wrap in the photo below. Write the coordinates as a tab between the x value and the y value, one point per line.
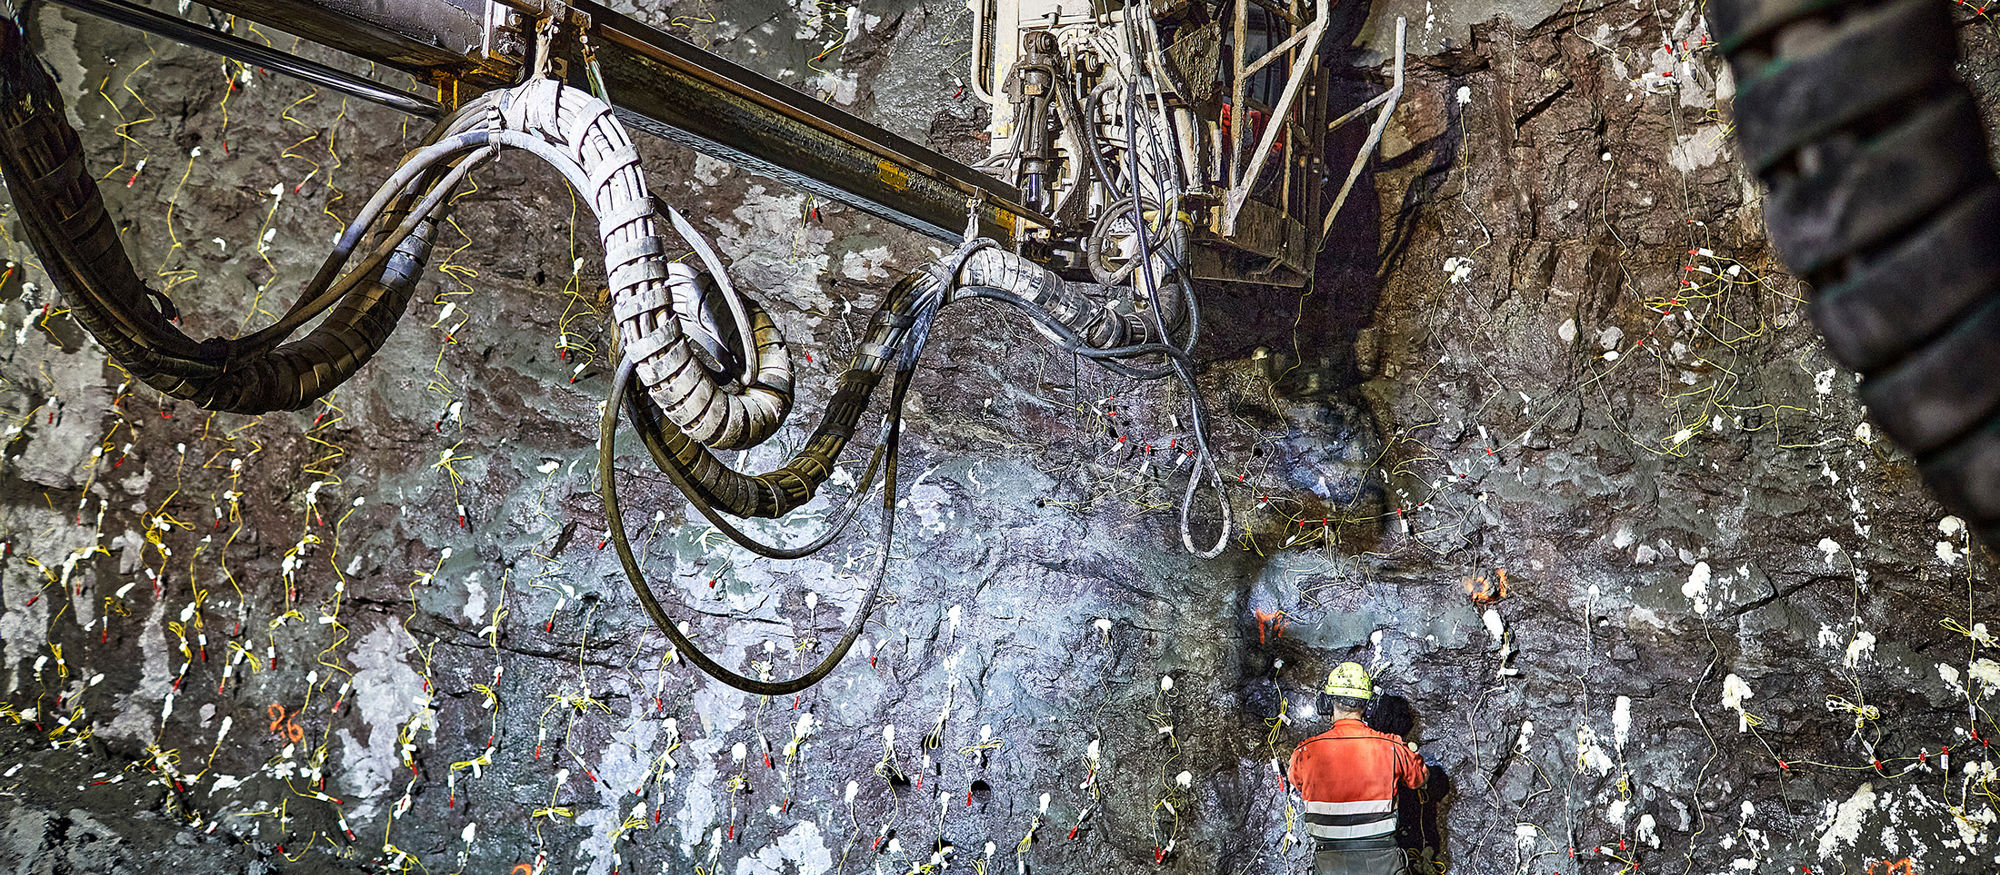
720	415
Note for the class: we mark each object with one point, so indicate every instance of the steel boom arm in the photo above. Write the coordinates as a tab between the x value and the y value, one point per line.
658	83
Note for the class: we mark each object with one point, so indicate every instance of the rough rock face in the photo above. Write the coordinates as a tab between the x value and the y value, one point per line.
1549	441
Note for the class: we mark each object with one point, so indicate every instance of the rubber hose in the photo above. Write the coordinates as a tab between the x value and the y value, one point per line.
1882	197
584	128
614	520
906	356
792	485
67	226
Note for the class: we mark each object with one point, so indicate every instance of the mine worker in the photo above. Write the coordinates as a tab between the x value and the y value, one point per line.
1348	777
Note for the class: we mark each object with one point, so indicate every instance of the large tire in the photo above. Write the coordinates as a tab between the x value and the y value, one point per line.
1882	196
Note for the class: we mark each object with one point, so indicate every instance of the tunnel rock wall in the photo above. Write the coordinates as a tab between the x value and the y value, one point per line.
1549	443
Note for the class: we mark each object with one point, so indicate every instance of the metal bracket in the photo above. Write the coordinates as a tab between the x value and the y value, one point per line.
546	64
550	59
1387	100
974	205
1306	42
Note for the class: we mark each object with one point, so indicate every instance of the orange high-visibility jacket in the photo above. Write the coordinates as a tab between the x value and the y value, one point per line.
1348	776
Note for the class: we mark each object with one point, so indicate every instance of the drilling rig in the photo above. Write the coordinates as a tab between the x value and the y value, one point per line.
1136	148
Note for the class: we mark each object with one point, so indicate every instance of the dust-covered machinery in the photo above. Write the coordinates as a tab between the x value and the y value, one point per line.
1204	121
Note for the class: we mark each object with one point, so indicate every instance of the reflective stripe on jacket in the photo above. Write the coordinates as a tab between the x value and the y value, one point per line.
1348	776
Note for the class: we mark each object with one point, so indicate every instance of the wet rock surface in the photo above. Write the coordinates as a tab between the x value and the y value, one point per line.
1549	441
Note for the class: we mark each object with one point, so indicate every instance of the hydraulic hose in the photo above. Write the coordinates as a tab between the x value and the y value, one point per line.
1883	198
66	223
607	484
668	316
724	415
897	332
906	352
984	269
773	494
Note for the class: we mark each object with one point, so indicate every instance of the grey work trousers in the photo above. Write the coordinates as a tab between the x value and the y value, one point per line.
1379	856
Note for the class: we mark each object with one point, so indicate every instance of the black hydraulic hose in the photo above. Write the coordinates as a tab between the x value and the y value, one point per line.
899	328
1074	342
671	449
307	308
1182	366
1085	131
66	223
777	492
653	429
978	265
607	437
1882	196
321	291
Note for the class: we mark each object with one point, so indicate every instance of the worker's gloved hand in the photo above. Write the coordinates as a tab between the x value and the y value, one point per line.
1437	784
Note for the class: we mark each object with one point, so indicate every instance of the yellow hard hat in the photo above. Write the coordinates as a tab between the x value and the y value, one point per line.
1351	680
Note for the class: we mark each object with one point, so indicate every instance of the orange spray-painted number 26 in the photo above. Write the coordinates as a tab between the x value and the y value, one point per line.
283	726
